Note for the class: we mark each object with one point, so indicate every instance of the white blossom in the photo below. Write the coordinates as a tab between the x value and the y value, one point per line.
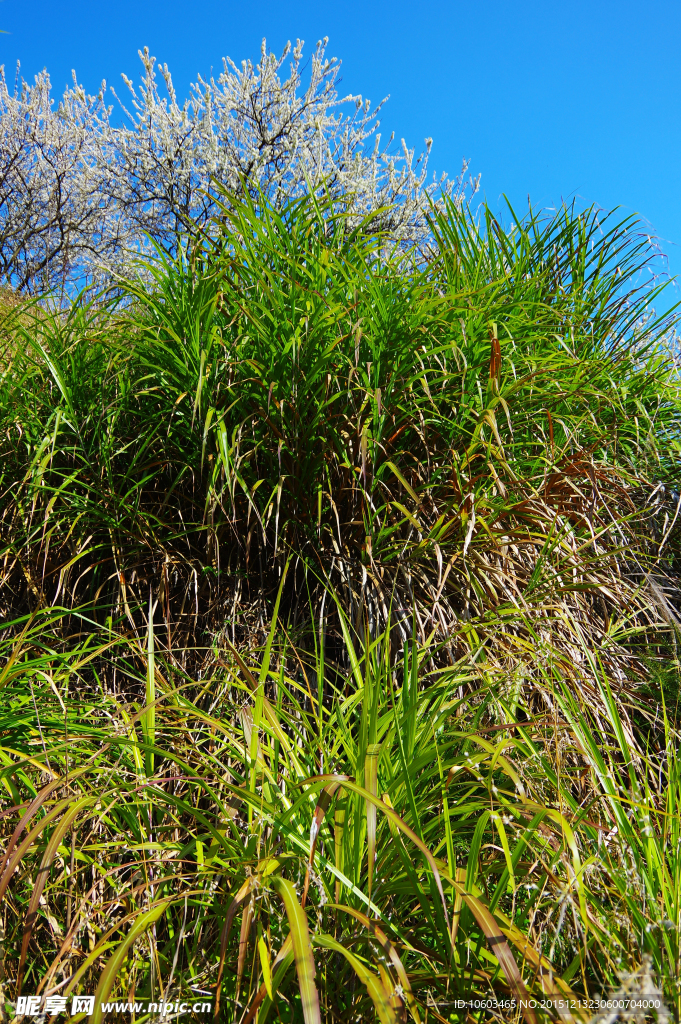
85	186
53	199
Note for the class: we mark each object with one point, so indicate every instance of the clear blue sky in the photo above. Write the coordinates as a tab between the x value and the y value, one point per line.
551	99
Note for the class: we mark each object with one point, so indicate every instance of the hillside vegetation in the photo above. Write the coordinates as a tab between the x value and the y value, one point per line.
339	595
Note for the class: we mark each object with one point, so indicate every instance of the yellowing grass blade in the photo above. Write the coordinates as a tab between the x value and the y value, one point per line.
43	874
302	950
551	982
323	803
269	712
571	842
338	830
460	875
404	483
8	861
496	940
246	921
503	838
278	970
264	955
242	895
18	850
113	967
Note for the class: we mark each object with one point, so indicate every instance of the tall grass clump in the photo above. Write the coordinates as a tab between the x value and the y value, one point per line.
461	435
339	591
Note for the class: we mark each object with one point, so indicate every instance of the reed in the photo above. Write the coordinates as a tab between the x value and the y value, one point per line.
340	642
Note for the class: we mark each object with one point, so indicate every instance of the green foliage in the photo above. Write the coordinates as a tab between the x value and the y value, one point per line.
339	604
291	388
381	850
636	891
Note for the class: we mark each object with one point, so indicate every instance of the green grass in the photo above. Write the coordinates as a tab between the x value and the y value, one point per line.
339	650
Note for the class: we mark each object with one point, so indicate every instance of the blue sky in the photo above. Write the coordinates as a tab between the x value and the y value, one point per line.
554	100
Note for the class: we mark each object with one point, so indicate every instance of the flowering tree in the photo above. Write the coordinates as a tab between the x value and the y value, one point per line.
82	190
53	211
